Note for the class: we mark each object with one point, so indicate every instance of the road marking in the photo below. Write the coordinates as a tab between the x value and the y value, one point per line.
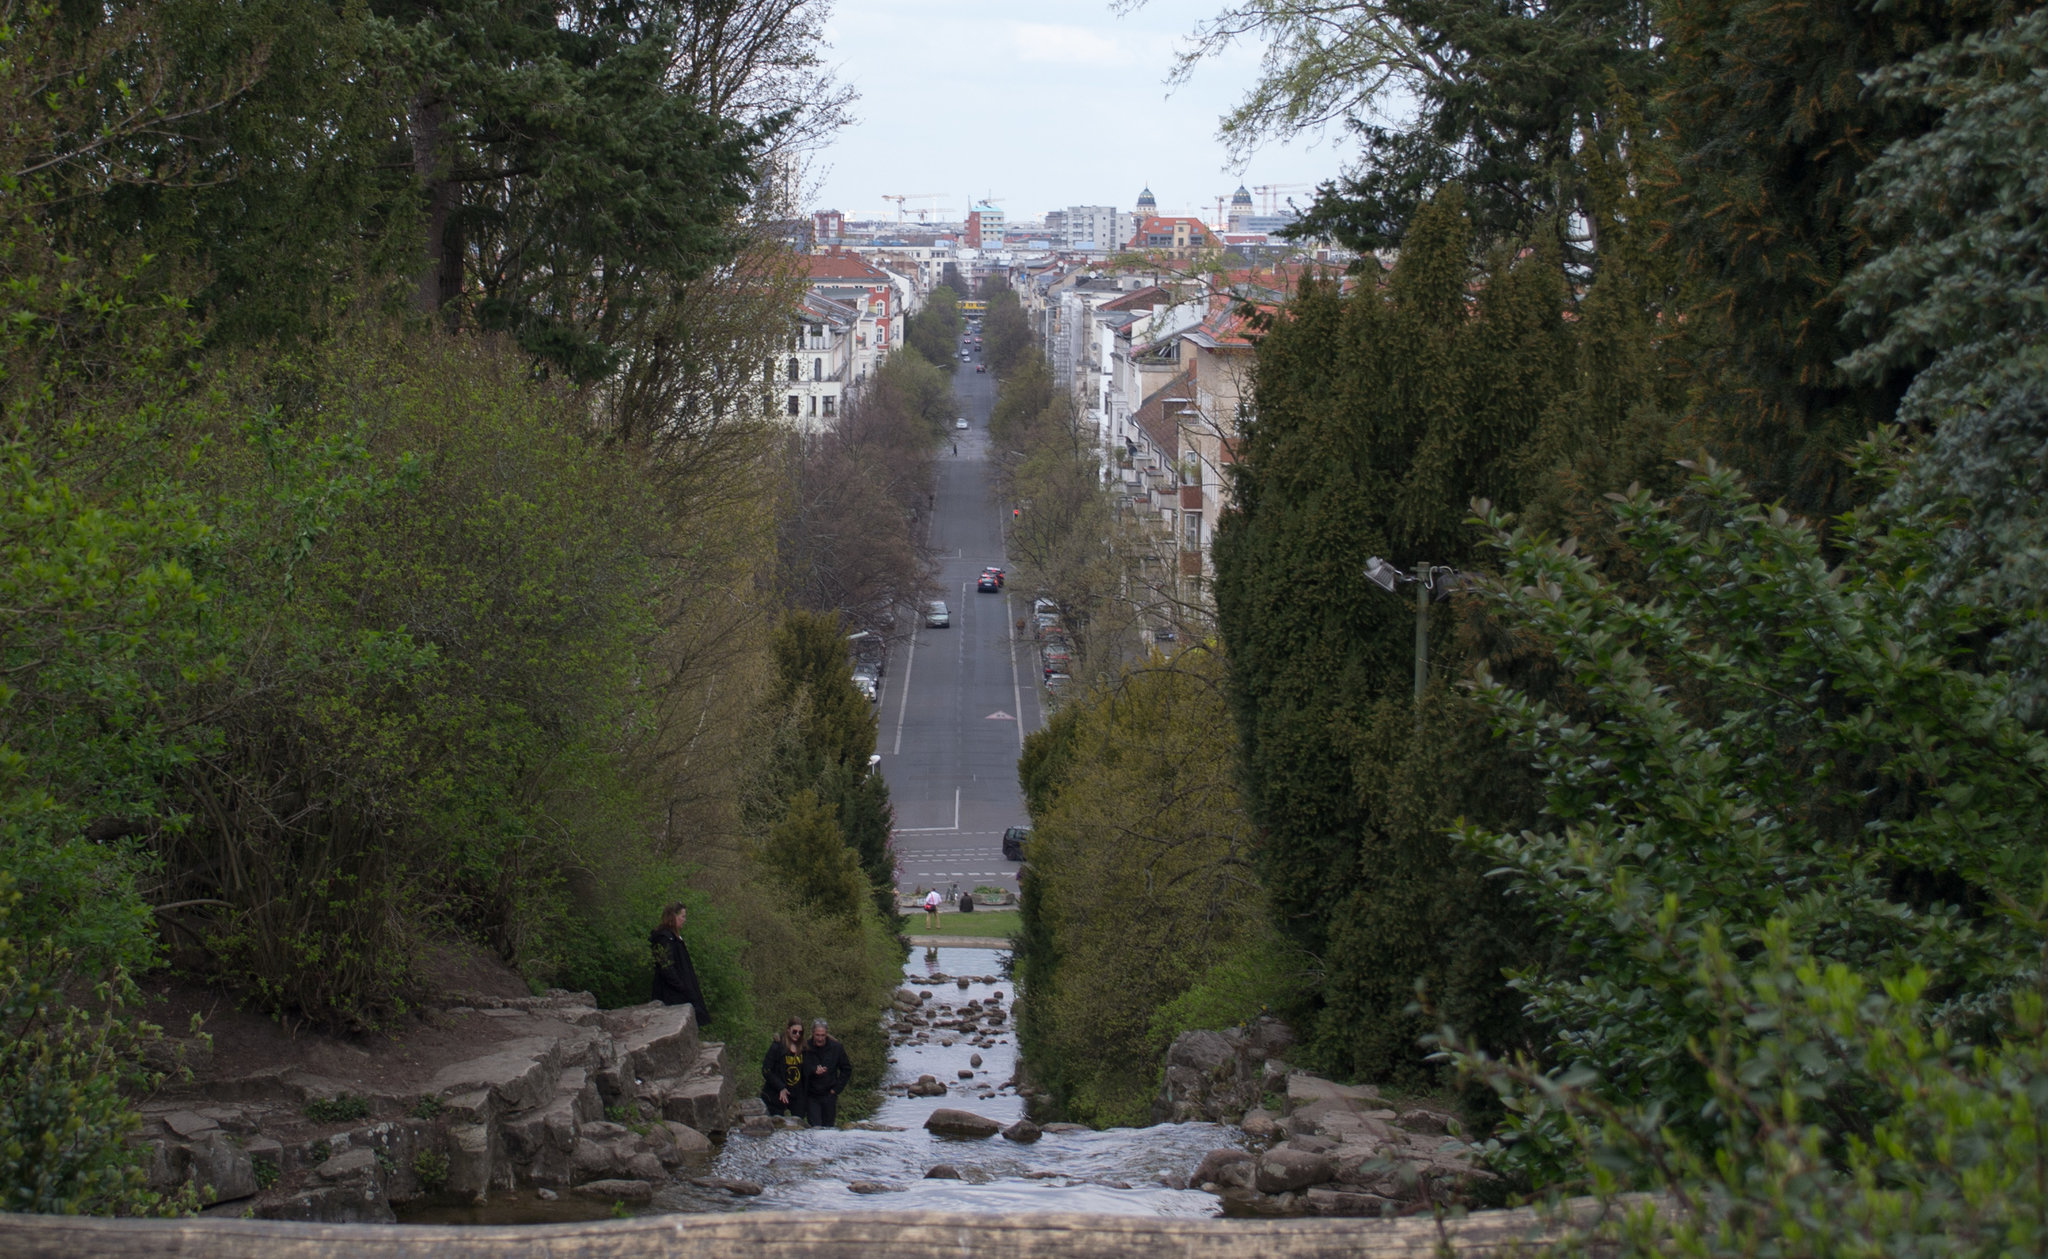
999	715
956	808
903	706
1016	692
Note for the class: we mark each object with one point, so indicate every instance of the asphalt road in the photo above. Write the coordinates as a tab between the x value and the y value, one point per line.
957	703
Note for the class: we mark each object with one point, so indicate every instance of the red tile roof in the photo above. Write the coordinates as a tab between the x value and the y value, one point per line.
1163	225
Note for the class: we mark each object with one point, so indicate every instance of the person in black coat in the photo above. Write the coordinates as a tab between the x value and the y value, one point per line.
675	979
782	1072
826	1071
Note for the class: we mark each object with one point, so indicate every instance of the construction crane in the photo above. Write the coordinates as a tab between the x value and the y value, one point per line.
1271	193
900	197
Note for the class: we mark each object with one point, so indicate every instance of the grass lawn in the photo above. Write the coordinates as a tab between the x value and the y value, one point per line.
995	923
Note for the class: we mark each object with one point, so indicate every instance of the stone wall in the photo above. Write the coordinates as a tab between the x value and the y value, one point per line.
571	1099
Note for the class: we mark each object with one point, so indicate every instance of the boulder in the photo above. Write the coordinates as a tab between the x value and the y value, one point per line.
873	1186
618	1190
1023	1132
188	1124
974	1060
221	1170
519	1075
949	1122
1210	1169
1284	1170
943	1171
470	1150
1345	1201
685	1141
1258	1124
927	1086
357	1162
1426	1121
737	1188
657	1041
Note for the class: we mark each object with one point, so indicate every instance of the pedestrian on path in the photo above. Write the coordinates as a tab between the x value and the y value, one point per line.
782	1072
675	978
931	910
826	1071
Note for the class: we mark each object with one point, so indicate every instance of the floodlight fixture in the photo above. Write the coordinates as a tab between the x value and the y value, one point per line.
1382	574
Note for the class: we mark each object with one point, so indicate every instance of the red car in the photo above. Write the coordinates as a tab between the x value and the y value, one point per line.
981	367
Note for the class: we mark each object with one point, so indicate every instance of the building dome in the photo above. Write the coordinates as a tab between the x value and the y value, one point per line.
1241	199
1145	202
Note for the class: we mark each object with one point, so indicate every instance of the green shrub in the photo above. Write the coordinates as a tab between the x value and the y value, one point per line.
428	1108
266	1172
431	1166
1780	787
340	1108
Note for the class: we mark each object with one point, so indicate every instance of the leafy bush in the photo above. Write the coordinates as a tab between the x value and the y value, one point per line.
1139	887
431	1166
1774	789
341	1108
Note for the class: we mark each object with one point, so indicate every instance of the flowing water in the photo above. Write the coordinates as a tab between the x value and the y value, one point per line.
1121	1170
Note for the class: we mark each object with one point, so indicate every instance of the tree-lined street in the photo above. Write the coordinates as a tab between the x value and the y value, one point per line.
958	701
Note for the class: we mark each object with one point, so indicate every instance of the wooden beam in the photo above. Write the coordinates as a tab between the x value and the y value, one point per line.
789	1235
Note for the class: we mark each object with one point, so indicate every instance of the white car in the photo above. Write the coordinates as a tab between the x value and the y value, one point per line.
960	423
936	615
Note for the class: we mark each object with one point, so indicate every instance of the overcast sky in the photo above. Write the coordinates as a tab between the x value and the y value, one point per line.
1041	105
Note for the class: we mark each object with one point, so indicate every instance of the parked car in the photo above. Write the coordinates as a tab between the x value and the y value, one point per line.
960	423
1013	842
1054	682
981	367
964	356
937	615
867	682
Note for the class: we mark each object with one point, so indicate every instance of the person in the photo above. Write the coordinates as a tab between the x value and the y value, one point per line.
826	1071
675	979
931	910
782	1072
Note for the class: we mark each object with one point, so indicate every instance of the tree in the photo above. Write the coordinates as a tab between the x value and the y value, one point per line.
1377	414
810	858
1769	762
1960	212
935	330
1140	891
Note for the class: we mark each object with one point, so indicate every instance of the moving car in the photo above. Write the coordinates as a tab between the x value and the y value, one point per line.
997	573
987	584
937	615
1013	842
960	423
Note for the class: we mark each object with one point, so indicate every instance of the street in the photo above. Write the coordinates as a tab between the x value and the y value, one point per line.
957	702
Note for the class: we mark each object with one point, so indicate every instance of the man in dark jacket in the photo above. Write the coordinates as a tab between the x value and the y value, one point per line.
782	1072
675	979
826	1071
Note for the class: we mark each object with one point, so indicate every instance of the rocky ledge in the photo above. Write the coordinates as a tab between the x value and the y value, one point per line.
1326	1149
552	1094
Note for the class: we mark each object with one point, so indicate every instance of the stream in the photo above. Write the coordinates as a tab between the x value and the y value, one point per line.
1120	1170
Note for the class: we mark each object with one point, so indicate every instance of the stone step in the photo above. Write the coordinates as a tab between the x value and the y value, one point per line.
658	1041
519	1075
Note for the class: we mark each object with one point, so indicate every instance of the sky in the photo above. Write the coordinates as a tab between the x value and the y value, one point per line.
1040	106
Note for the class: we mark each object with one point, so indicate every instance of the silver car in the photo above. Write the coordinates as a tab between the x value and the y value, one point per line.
937	615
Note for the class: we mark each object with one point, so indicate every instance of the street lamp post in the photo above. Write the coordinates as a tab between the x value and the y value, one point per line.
1387	577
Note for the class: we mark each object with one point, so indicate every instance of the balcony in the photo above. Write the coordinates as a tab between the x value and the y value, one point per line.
1191	563
1191	498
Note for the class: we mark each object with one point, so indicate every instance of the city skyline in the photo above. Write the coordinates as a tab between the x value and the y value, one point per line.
1068	109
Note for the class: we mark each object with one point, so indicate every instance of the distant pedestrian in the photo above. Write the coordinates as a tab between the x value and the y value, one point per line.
675	978
931	910
782	1072
826	1071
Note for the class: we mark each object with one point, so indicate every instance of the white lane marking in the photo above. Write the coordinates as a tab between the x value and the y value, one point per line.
1016	692
956	808
903	705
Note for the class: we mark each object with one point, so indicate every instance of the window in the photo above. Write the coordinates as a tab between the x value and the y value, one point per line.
814	404
817	369
829	400
795	407
1193	537
796	371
